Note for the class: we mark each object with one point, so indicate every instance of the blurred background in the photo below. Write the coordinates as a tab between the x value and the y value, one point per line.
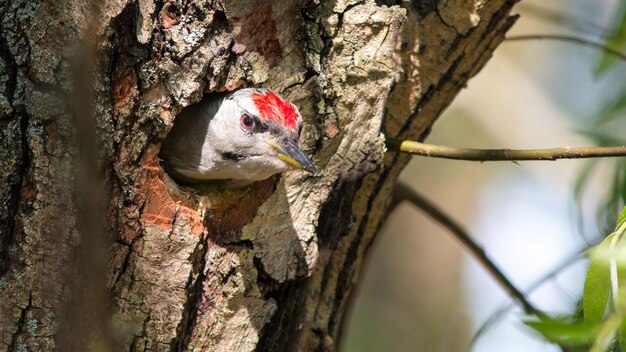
421	291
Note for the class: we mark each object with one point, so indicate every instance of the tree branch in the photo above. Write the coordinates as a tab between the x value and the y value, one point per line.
403	192
570	39
439	151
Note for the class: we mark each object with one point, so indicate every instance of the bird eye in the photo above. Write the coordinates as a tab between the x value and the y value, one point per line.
247	121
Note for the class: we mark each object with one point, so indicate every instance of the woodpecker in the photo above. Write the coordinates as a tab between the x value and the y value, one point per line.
240	137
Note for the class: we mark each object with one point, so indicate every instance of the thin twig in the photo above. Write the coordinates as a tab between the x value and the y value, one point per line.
403	192
499	313
570	39
440	151
563	18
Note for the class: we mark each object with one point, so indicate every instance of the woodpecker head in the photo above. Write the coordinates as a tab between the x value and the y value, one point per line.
244	136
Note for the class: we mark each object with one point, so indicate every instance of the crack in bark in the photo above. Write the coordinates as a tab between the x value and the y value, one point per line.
336	323
19	30
348	192
129	253
327	95
11	68
194	294
20	324
142	336
230	61
15	193
274	336
241	244
424	7
16	188
267	284
445	23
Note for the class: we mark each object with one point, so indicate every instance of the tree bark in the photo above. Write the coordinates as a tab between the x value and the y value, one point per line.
267	268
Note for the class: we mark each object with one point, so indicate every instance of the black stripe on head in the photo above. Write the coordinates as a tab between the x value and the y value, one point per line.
232	156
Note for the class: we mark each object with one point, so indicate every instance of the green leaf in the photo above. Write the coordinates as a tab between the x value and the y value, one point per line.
565	332
606	334
611	111
583	177
602	138
621	219
622	174
622	335
597	285
617	41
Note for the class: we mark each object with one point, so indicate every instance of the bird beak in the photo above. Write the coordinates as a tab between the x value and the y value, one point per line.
289	151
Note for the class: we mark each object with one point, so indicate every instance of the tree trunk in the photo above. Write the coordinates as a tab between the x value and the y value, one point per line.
269	267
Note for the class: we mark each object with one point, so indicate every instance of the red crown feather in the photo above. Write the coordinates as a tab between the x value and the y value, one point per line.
272	108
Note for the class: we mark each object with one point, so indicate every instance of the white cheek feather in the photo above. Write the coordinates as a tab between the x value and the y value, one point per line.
225	132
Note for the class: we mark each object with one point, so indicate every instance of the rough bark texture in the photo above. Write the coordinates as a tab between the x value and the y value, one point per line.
266	268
